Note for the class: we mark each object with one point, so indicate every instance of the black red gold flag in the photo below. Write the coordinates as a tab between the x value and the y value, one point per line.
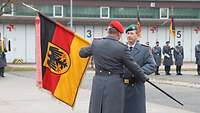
59	66
172	27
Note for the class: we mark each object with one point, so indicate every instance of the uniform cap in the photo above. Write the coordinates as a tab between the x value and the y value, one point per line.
167	42
157	42
117	25
179	42
131	28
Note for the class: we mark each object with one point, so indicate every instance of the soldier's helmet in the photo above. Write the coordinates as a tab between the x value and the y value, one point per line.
131	27
117	25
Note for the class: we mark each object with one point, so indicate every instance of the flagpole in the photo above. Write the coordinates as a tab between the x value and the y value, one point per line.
169	28
30	7
169	32
137	8
138	22
2	43
173	21
156	33
71	14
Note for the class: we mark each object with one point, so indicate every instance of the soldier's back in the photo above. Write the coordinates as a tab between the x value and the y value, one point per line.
107	53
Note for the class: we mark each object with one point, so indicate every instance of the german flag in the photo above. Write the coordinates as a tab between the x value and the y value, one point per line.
59	66
138	22
172	27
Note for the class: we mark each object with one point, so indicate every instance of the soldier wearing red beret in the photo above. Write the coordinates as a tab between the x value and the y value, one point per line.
110	57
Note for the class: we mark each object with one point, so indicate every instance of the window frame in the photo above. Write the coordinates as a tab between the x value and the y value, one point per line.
12	10
54	9
161	13
101	12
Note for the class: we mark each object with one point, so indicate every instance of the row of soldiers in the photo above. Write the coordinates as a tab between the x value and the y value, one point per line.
178	53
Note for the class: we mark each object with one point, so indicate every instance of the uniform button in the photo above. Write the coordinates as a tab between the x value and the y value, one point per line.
100	71
109	73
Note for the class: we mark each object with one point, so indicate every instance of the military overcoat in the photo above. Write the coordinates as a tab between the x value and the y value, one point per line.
2	60
135	100
167	52
110	56
197	54
178	55
156	51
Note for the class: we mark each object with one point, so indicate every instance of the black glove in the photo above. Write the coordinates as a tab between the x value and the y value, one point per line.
146	78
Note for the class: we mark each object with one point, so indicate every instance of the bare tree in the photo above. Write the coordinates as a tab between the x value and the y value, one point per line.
4	5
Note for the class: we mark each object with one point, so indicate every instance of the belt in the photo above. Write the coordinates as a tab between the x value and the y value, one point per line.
107	73
126	80
130	81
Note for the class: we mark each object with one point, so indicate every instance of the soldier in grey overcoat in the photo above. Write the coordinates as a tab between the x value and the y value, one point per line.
197	55
168	61
178	56
3	62
135	100
110	56
156	51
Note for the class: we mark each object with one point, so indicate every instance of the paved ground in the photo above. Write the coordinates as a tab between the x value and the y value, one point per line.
19	94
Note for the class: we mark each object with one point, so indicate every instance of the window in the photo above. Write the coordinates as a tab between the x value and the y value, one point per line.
46	9
58	11
117	12
20	10
164	13
104	12
8	10
91	12
184	13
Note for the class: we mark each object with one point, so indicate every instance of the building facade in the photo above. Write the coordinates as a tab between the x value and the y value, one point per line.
90	18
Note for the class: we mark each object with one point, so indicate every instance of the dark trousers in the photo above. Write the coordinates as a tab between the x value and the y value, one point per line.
198	69
2	71
157	70
167	69
178	69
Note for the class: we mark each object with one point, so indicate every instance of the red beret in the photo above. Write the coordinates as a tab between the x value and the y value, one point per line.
117	25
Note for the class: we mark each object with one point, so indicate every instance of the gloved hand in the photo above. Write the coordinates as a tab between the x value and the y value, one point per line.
146	78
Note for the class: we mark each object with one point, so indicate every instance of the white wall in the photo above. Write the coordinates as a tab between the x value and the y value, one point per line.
30	43
17	37
187	39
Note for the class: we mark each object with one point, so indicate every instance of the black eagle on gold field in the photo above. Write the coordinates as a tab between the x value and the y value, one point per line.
57	59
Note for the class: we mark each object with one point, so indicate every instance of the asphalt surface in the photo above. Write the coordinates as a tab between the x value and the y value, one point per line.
19	94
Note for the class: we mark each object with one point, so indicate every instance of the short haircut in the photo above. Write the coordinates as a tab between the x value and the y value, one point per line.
112	30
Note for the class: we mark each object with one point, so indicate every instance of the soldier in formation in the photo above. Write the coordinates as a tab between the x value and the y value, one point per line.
178	56
197	56
168	61
156	50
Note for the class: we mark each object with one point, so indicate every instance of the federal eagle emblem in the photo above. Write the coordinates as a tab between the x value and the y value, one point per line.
57	60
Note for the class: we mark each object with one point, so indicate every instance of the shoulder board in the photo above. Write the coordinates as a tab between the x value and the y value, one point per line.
144	45
98	38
